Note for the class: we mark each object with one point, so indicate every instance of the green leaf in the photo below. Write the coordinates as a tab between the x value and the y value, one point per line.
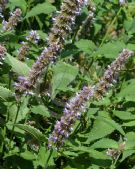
27	155
130	136
130	25
94	167
43	157
127	91
93	153
100	129
44	8
86	46
68	167
41	109
22	113
130	46
17	3
126	154
17	66
32	131
42	34
124	115
5	93
70	154
130	145
97	28
129	124
112	123
63	75
91	112
105	143
111	49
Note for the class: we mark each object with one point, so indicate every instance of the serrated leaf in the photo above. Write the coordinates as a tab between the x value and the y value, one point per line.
93	153
105	143
111	49
63	75
32	131
43	157
41	109
85	45
5	93
124	115
112	123
99	130
129	25
17	66
127	91
22	113
43	8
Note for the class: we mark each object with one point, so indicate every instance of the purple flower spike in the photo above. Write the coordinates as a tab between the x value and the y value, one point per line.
77	105
72	112
61	28
13	20
112	73
2	54
33	37
22	52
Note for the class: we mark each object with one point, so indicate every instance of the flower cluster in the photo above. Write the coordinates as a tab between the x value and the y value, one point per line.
22	52
112	73
2	53
13	20
115	153
33	37
72	112
61	28
87	23
77	104
64	21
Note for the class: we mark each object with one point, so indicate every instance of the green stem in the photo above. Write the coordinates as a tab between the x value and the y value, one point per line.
116	159
113	21
49	156
7	117
12	131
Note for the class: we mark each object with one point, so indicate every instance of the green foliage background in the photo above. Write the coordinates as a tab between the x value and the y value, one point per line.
108	123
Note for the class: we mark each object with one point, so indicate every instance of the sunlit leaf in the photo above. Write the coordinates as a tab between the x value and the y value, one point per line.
86	46
17	66
105	143
5	93
43	8
40	109
63	75
32	131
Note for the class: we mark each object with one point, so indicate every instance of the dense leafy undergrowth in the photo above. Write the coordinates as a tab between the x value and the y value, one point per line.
103	137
